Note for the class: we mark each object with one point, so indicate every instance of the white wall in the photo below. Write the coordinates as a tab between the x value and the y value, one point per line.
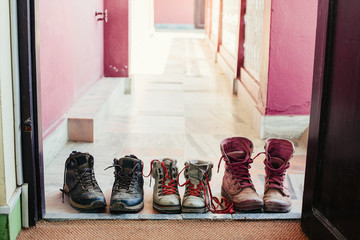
7	153
141	28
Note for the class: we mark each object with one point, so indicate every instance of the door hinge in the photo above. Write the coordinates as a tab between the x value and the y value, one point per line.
27	125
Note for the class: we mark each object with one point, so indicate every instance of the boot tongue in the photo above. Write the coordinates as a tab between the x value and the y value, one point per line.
169	163
85	161
128	163
197	172
276	162
236	156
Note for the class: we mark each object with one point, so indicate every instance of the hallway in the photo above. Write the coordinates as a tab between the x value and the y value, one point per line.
181	106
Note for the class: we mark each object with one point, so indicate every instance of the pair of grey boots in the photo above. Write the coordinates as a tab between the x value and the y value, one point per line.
166	197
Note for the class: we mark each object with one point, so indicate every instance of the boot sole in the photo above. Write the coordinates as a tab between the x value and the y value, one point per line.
166	209
121	207
194	210
93	206
247	207
276	208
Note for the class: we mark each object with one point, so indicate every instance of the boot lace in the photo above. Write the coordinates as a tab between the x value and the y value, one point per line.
275	176
170	186
86	179
123	180
240	170
215	204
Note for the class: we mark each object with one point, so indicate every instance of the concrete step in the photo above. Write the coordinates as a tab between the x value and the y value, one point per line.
83	119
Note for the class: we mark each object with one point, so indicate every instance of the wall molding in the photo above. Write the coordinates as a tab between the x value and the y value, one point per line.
284	126
173	26
13	200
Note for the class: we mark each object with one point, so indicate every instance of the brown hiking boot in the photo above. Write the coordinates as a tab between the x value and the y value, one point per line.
80	183
276	194
237	186
128	189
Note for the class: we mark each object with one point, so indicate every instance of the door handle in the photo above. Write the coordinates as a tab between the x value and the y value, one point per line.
103	14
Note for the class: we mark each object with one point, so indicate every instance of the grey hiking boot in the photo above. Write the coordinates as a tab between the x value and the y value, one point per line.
278	154
80	183
237	185
196	187
128	191
166	198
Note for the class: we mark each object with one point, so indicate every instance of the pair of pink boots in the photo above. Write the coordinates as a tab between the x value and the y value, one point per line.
237	185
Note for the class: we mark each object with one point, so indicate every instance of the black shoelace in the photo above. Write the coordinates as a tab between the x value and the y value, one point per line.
86	178
123	180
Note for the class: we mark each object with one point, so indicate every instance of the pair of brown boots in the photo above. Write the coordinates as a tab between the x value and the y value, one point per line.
237	185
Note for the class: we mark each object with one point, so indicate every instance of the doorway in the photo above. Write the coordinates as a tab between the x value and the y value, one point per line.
181	105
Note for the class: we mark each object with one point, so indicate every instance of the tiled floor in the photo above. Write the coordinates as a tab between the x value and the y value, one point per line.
182	110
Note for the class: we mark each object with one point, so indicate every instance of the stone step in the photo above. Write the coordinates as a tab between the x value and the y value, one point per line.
83	119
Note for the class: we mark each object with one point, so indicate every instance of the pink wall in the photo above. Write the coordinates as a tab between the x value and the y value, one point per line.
71	54
292	43
116	39
174	11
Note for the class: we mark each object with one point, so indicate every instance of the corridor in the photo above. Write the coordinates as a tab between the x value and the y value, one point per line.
181	106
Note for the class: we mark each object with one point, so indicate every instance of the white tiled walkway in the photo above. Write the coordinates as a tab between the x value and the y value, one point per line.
181	106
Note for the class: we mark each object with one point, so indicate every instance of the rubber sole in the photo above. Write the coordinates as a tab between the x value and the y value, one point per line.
93	206
121	207
167	209
194	210
276	208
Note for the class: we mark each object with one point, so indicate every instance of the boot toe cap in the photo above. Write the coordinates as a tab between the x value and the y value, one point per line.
169	200
128	201
193	202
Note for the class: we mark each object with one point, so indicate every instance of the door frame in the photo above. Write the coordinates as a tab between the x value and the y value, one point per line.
32	149
30	105
312	221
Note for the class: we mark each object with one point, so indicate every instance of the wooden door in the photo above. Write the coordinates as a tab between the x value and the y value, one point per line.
331	205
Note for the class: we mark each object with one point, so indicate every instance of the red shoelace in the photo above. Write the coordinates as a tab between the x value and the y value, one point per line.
167	188
240	169
275	176
215	203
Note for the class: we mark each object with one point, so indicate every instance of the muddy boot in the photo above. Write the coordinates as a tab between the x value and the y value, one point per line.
80	183
128	191
278	155
196	194
237	186
166	197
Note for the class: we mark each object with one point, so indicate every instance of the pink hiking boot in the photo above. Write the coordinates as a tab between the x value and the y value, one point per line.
237	186
278	154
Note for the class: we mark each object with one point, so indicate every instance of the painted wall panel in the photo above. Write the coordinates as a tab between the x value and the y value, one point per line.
230	25
71	54
292	44
116	39
87	38
215	14
174	11
7	148
253	36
